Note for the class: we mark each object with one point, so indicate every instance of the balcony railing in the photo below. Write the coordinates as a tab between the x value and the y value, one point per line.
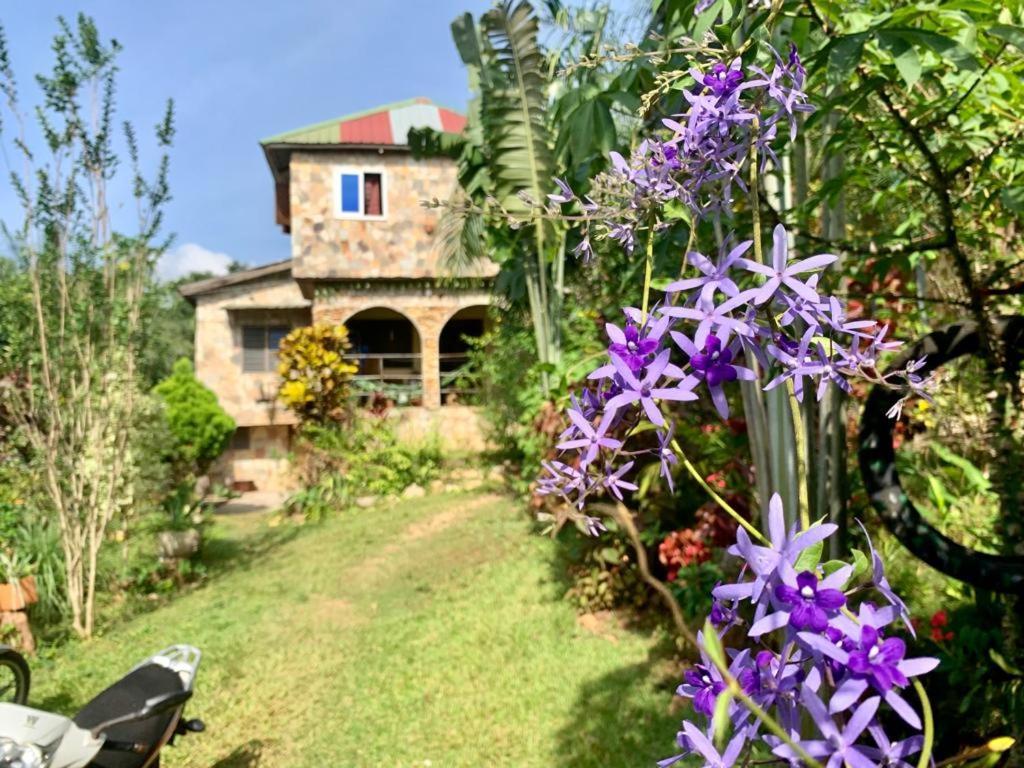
399	376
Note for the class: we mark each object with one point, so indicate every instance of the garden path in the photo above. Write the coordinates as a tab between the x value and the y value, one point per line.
426	633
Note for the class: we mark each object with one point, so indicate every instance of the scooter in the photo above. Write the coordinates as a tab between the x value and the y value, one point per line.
125	726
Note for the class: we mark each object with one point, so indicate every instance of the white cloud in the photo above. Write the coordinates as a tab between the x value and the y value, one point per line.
191	257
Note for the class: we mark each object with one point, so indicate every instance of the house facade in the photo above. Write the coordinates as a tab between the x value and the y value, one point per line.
364	252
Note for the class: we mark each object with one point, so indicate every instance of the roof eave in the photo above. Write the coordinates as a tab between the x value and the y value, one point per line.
192	290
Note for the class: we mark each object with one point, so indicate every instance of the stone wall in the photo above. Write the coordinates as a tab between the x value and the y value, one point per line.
427	306
402	244
264	463
250	398
458	428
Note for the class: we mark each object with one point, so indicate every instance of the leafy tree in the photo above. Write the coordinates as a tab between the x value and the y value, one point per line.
528	123
315	375
74	357
200	426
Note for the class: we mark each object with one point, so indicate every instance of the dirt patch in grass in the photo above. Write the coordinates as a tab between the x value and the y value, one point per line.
446	518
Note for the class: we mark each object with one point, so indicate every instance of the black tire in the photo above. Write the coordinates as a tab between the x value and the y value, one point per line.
15	677
998	573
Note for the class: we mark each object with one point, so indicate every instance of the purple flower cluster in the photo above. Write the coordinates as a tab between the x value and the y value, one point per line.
736	320
699	162
822	671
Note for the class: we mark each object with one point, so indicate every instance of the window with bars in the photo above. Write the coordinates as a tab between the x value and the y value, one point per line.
359	194
260	344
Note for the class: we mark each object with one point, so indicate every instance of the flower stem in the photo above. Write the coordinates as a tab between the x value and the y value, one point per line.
801	456
751	528
774	727
755	193
648	271
929	726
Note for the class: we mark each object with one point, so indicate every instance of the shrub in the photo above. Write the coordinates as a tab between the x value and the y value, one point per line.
365	458
315	375
200	427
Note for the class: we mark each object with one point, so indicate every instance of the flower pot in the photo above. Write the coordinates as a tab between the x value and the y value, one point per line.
177	545
17	595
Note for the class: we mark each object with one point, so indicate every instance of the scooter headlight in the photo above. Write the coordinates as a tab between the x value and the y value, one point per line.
16	755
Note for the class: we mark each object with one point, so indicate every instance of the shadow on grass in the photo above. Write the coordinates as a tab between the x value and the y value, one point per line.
248	755
221	554
609	728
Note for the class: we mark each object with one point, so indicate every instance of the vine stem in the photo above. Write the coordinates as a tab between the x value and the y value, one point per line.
624	518
755	193
696	475
648	272
929	726
803	460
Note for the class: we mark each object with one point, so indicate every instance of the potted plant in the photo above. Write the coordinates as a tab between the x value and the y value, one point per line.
17	584
181	537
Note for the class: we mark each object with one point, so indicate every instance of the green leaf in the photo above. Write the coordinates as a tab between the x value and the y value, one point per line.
861	565
1013	35
809	558
844	56
713	646
720	719
1004	664
907	62
973	475
1013	198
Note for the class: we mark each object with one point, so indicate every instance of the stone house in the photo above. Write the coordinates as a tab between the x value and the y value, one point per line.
364	252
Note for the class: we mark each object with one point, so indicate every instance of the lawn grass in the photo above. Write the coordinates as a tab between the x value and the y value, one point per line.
428	633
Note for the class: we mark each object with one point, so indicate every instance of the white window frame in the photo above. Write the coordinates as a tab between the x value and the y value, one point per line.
361	171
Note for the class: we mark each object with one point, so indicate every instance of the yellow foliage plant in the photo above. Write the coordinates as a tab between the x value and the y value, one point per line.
314	373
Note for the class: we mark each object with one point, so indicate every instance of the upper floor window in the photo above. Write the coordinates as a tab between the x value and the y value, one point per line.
359	193
260	344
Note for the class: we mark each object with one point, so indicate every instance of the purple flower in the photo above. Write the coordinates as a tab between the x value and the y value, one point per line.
702	687
710	317
840	746
593	439
647	391
781	273
876	663
764	562
613	481
714	365
564	195
703	746
881	583
877	660
810	603
892	754
667	455
714	277
631	346
723	80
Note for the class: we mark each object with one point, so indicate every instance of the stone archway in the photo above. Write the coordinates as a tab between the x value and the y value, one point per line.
454	342
387	347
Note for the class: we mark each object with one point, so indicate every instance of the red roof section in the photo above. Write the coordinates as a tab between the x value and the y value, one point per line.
371	129
452	122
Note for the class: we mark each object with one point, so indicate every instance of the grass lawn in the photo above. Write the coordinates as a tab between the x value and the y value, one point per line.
429	633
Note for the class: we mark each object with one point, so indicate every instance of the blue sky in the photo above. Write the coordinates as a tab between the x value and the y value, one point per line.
241	70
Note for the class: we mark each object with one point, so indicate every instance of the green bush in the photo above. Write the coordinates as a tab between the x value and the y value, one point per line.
365	458
200	427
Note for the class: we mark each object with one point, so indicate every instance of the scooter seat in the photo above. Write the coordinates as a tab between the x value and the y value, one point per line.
125	696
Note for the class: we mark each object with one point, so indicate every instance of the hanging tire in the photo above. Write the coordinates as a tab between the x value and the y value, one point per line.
14	677
997	573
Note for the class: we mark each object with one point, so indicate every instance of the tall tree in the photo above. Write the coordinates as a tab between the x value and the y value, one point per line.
78	397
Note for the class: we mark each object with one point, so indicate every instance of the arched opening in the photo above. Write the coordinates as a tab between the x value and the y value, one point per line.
459	380
386	347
